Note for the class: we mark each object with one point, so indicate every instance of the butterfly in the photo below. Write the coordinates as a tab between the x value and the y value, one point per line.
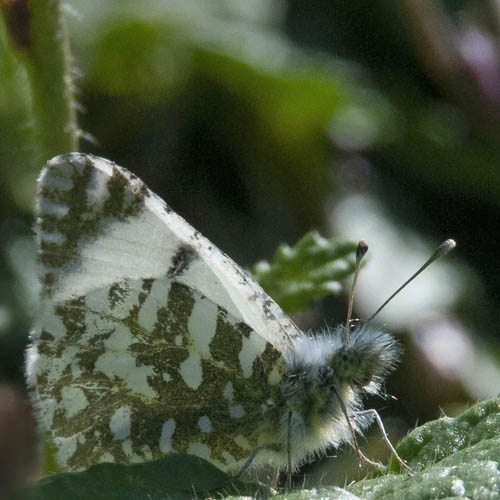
150	340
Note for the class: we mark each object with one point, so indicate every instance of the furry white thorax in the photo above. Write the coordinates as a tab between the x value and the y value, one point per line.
321	369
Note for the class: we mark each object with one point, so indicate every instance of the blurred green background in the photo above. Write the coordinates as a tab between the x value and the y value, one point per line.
259	120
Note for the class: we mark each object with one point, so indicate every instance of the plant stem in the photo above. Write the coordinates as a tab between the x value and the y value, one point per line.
45	53
51	81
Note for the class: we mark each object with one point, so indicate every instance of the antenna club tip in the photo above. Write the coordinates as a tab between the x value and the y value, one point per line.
361	249
446	246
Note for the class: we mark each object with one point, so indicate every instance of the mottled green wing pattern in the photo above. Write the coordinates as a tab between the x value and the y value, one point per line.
147	367
149	339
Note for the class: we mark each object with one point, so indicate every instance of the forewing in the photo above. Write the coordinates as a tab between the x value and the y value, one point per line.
98	224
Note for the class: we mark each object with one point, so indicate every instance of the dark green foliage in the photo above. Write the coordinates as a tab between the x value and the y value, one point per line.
175	477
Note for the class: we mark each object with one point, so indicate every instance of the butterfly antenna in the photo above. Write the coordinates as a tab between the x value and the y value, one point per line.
441	250
361	250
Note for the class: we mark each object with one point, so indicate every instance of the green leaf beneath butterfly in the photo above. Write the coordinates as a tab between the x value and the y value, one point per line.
310	270
176	477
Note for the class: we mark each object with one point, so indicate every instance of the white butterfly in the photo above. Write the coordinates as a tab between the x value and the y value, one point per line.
150	340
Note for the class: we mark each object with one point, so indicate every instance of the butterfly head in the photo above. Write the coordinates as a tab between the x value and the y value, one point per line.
368	356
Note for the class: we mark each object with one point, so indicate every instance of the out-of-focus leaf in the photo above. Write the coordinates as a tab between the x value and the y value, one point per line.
18	155
174	477
232	95
313	268
136	59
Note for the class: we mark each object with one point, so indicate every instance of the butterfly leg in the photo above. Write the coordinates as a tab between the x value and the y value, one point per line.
289	452
248	462
374	414
272	447
354	441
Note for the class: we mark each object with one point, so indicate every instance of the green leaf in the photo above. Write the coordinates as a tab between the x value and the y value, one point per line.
450	440
174	477
452	458
306	272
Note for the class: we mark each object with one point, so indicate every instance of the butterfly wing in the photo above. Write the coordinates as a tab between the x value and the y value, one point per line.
149	339
135	370
100	223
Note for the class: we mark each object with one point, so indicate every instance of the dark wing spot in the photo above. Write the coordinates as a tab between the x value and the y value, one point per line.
181	261
266	306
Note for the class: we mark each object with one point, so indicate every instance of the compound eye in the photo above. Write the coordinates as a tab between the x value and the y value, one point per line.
346	363
364	378
349	365
323	371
